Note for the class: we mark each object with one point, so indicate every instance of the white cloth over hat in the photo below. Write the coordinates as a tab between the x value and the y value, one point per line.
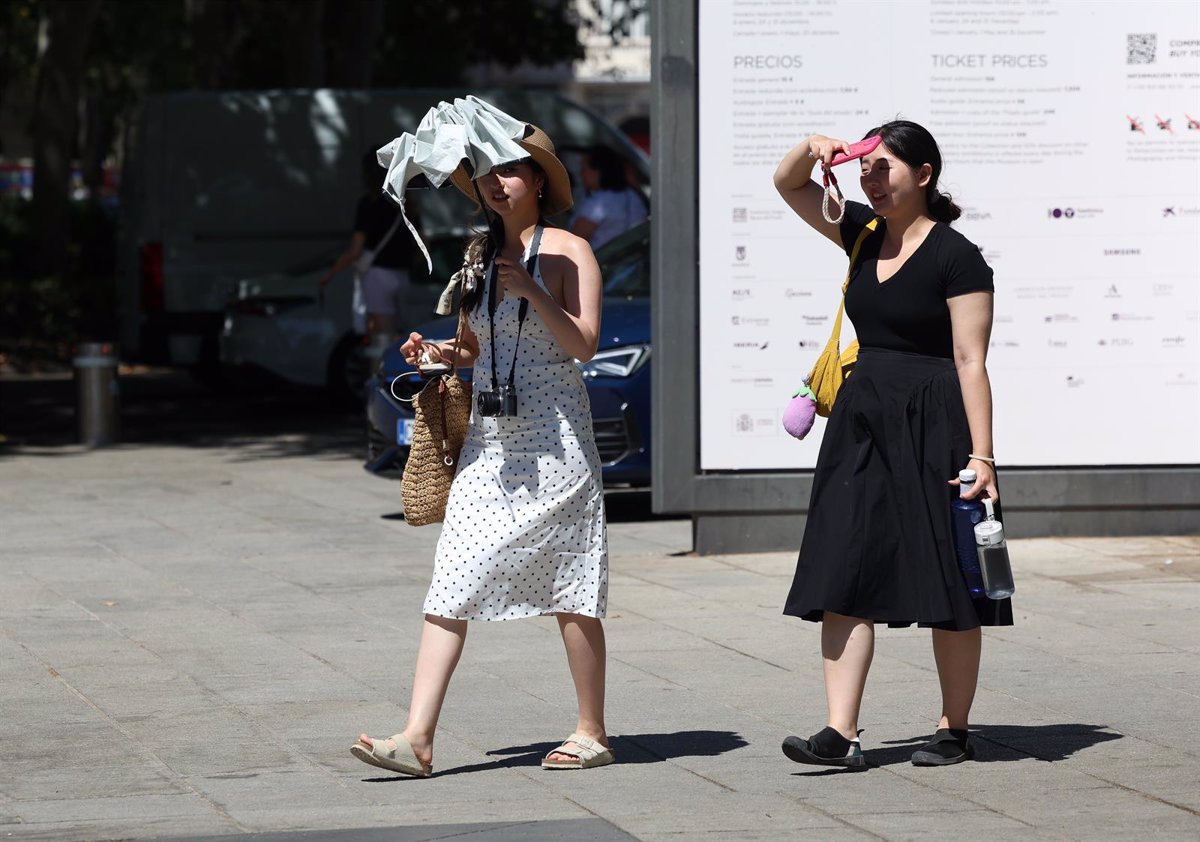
469	129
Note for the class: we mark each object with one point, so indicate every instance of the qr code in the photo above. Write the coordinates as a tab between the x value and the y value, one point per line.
1140	49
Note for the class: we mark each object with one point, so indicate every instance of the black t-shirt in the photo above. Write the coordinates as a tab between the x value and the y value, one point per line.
374	216
908	311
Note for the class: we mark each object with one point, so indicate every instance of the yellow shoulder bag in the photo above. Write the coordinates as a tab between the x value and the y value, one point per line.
833	366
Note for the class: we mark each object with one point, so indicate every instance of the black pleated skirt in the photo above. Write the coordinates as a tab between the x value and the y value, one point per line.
878	541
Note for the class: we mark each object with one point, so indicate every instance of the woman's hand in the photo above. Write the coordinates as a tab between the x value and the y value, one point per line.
824	148
514	279
416	347
985	480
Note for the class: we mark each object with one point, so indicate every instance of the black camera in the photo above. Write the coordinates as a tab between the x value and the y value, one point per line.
498	402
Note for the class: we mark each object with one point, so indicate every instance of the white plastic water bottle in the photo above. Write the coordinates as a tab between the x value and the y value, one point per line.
994	566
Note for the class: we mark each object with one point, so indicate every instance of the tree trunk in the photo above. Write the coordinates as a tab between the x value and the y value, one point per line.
304	60
211	41
354	27
67	27
97	139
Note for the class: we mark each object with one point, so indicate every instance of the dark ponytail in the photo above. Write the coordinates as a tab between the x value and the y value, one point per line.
941	206
914	145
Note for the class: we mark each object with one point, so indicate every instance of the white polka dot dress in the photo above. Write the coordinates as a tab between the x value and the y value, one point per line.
524	533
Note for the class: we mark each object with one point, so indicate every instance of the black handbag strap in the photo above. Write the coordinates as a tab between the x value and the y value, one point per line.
522	312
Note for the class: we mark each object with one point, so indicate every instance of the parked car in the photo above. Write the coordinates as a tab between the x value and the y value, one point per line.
227	186
617	377
284	326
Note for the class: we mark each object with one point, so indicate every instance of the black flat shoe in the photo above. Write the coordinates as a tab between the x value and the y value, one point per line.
948	746
827	747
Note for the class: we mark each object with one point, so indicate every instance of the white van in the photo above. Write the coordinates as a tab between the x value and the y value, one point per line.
228	186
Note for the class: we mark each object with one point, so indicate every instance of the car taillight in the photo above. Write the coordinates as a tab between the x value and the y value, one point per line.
151	258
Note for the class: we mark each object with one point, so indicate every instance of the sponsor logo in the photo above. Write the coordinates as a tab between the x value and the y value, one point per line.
1073	213
809	343
740	252
1126	252
1056	343
756	423
1162	289
792	292
1043	292
756	382
741	294
1059	318
976	216
1168	212
1073	382
814	320
1116	342
1174	341
1164	124
1112	292
1135	124
1005	343
739	214
1131	317
751	346
750	321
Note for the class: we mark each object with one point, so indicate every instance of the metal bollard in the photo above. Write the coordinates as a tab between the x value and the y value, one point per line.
97	394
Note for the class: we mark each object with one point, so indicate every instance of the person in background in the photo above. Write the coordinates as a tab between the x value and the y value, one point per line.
381	250
612	206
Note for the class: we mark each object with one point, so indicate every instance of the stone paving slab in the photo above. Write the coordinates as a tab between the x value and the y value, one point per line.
190	639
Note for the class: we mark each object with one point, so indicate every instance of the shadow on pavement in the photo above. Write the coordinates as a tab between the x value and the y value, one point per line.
629	748
624	505
162	406
1000	743
621	505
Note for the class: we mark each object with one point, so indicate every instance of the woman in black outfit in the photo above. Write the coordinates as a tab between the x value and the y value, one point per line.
918	408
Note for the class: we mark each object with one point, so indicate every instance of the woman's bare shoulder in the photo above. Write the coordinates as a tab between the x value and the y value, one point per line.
562	241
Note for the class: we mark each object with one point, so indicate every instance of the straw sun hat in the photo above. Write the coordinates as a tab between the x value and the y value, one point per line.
541	149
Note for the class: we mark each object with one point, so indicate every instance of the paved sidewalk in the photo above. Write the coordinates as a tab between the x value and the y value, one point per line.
191	638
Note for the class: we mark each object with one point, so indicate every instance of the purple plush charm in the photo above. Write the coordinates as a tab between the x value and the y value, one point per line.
800	413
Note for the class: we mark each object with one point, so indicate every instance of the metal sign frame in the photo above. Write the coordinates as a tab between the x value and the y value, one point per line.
750	511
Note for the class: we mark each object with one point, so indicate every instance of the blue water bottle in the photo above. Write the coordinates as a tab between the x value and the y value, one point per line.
964	514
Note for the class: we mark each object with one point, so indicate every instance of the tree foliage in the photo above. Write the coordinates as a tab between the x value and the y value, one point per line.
105	55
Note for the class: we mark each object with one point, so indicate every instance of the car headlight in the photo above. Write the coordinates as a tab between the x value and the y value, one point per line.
616	362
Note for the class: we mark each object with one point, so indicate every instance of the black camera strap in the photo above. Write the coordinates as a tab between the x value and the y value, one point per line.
494	302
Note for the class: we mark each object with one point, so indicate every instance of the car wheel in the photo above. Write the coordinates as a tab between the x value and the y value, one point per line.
348	370
377	446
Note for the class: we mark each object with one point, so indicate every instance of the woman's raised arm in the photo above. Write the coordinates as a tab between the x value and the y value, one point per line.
793	180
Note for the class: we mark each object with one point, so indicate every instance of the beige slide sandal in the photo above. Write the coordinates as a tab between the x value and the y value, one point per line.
401	758
589	752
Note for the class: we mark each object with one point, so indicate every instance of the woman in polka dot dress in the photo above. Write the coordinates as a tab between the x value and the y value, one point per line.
524	533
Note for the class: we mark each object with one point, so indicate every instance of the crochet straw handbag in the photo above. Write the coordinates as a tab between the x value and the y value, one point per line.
442	412
833	366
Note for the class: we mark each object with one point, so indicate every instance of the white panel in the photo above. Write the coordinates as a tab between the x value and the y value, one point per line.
1071	137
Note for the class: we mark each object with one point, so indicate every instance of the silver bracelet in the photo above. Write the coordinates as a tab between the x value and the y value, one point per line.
987	459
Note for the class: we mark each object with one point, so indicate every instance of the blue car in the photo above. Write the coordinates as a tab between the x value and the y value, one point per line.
617	377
